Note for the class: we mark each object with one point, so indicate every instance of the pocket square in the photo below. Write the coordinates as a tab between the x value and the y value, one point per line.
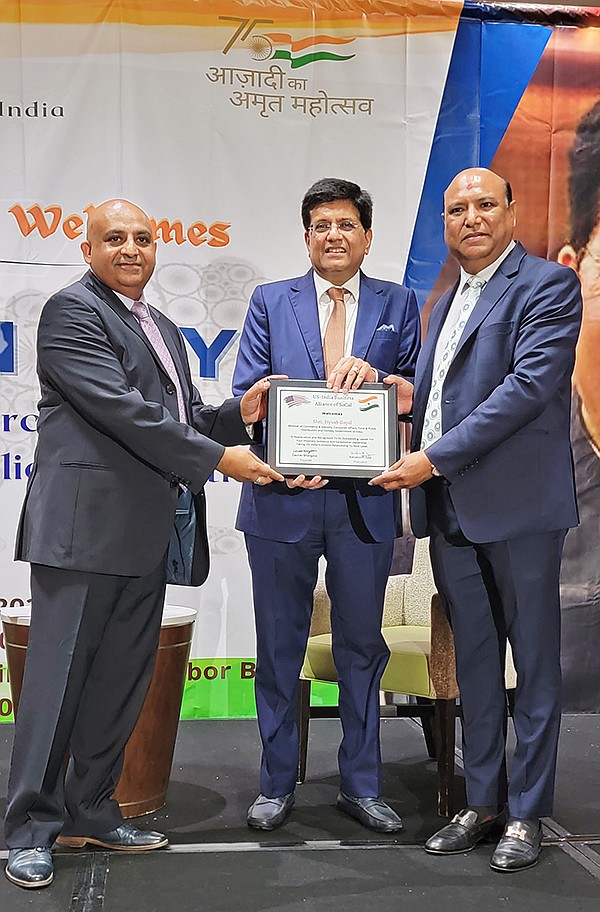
386	327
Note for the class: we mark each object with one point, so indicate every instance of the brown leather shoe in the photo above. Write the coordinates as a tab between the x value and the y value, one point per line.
519	847
463	833
124	838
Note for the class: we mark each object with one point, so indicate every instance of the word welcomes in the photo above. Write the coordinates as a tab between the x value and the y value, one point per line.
47	220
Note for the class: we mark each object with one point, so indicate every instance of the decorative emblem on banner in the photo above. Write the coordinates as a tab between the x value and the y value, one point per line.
304	51
297	52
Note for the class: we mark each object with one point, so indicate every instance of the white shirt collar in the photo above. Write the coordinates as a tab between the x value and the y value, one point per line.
487	273
128	302
321	286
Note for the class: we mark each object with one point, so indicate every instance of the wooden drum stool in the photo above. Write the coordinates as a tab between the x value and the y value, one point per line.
142	787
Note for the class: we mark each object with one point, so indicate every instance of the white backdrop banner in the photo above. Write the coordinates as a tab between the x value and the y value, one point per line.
215	118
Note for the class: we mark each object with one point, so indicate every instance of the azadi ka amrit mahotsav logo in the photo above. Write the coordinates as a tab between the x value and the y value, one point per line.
280	46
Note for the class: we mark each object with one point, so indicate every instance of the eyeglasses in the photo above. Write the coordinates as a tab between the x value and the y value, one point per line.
345	226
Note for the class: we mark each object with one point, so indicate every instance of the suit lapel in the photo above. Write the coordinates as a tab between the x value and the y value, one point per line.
493	291
110	298
303	299
171	343
371	302
425	362
491	294
178	355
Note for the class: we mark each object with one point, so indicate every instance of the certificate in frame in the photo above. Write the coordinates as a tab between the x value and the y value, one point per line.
313	431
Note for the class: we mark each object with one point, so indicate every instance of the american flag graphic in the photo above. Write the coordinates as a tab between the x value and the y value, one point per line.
295	399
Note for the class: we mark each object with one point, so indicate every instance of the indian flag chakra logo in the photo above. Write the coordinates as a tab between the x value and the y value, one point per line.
280	46
370	402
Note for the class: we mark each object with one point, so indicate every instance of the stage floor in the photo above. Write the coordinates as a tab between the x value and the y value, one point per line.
322	860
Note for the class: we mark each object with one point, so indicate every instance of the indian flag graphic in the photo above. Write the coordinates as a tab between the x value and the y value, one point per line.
281	46
370	402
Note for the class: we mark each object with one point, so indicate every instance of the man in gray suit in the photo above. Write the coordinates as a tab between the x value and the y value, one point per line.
124	439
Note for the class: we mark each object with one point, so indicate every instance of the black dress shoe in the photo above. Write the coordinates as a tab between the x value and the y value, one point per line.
373	813
30	868
519	847
269	813
124	838
462	834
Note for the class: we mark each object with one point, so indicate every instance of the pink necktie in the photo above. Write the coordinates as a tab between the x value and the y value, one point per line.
154	336
334	339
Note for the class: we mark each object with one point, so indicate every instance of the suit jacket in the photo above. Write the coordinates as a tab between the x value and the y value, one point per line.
111	452
505	447
281	335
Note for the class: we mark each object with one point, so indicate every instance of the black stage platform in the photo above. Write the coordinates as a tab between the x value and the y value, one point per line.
322	860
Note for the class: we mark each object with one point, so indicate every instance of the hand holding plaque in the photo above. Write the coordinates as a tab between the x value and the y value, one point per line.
312	430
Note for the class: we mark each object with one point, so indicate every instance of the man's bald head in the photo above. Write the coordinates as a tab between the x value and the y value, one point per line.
120	246
479	218
474	176
111	209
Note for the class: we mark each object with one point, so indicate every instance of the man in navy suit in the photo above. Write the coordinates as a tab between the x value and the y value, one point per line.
124	440
289	330
492	474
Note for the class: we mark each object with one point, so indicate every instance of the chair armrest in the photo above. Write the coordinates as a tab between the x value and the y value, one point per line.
393	605
442	659
419	587
321	616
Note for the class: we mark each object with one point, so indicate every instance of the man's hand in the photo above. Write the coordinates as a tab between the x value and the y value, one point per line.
253	406
239	463
310	484
404	393
408	472
350	373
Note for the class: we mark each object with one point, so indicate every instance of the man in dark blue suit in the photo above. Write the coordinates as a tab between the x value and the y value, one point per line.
333	322
492	474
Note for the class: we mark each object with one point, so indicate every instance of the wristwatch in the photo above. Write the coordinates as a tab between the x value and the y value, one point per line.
435	472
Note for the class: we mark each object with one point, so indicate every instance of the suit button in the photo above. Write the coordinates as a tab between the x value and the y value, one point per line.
170	388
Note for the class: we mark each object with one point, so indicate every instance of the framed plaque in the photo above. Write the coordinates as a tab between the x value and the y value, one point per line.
313	431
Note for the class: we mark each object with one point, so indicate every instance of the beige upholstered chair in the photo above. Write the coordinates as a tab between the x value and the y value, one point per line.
421	665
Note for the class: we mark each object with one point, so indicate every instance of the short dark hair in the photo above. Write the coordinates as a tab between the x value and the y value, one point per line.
331	189
584	179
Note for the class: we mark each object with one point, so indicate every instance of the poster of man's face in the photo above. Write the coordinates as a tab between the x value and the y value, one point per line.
551	155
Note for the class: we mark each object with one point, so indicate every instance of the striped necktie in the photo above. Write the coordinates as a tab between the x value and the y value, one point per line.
432	423
334	340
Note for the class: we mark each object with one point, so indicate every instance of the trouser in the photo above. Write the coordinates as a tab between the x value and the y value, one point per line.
494	592
284	575
91	652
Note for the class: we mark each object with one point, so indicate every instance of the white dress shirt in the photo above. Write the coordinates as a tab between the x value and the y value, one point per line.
459	299
325	303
